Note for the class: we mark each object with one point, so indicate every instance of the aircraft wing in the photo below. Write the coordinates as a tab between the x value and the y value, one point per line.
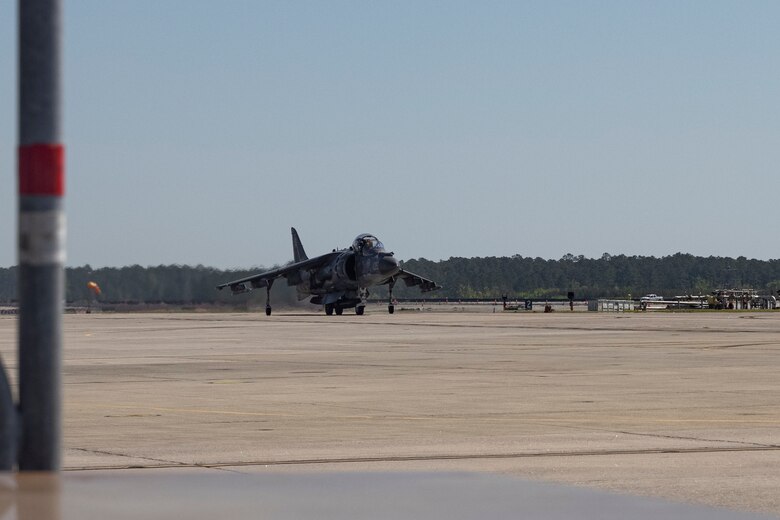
291	272
411	279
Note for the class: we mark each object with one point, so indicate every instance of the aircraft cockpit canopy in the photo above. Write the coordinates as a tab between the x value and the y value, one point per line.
368	245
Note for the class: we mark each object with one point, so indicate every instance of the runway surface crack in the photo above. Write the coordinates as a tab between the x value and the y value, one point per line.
170	463
699	439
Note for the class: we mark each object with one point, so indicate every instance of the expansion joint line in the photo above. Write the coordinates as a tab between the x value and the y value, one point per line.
428	458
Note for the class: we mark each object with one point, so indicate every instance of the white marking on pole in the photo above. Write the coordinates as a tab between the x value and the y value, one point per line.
42	237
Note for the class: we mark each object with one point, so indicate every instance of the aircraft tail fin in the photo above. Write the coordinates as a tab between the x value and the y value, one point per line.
298	253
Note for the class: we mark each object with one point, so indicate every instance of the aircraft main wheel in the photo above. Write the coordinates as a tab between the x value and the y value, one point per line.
268	311
360	309
329	309
391	309
339	310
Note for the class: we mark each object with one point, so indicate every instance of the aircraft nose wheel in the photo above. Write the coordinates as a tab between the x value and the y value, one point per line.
268	311
391	309
359	310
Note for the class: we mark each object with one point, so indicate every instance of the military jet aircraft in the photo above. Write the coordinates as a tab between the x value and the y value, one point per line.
338	280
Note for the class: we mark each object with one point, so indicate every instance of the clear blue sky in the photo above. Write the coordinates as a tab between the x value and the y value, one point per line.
199	132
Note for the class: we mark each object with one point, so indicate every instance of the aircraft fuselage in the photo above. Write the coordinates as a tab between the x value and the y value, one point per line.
341	280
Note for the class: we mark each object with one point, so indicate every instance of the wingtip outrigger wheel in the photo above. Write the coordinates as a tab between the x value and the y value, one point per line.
390	306
268	298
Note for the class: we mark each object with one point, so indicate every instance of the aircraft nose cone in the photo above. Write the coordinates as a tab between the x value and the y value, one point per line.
388	265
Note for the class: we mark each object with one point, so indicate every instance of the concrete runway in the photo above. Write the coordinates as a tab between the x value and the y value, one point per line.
680	406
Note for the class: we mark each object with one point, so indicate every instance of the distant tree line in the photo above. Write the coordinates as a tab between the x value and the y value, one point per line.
171	284
610	276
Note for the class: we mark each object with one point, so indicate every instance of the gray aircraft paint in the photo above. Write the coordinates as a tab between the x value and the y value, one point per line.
338	280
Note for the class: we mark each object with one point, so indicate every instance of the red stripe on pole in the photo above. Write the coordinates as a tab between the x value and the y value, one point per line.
42	169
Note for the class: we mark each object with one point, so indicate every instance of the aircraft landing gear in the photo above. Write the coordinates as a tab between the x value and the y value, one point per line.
268	299
330	307
390	306
360	308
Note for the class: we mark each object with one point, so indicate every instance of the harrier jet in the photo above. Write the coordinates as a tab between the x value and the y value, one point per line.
338	280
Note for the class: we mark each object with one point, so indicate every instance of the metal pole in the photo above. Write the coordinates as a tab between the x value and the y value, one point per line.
7	424
41	235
